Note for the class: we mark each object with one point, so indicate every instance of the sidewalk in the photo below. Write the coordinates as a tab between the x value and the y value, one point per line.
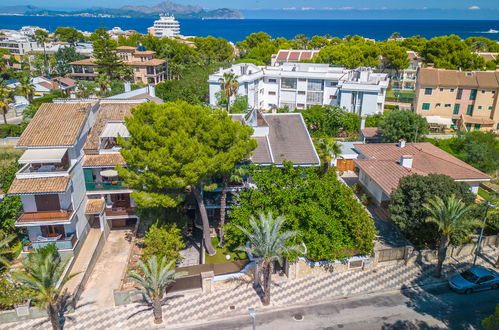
217	304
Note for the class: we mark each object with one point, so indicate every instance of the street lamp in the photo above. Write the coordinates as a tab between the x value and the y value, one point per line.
481	231
252	313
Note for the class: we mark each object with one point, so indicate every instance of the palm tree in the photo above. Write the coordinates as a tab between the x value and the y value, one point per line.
328	149
229	85
269	245
41	37
236	174
42	273
5	100
449	216
154	282
25	88
5	249
103	82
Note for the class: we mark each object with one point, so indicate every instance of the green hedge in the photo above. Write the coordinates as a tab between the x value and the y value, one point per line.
10	130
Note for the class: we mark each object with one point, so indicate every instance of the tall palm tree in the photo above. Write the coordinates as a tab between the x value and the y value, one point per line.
154	279
269	244
41	37
449	216
236	174
5	249
25	88
42	272
103	82
328	149
229	85
5	100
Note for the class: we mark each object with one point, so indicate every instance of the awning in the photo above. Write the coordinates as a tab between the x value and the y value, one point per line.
477	120
42	156
115	129
439	120
109	173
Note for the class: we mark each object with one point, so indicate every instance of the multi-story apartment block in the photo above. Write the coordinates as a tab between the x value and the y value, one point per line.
293	56
17	44
146	68
405	79
468	98
302	85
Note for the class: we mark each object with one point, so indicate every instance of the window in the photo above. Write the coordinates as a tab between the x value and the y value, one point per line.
271	93
493	92
288	83
315	85
437	105
452	90
490	107
314	97
332	97
479	107
483	91
272	80
473	94
459	94
300	105
447	105
468	127
301	92
456	109
441	89
302	79
469	111
428	91
426	106
477	126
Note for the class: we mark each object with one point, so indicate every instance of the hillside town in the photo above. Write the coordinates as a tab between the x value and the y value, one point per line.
155	180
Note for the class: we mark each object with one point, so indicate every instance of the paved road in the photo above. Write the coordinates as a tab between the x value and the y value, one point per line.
437	308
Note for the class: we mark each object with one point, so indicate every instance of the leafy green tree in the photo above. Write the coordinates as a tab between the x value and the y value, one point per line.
351	53
214	50
403	124
394	56
106	57
25	88
5	248
408	213
416	43
103	82
375	120
229	85
328	149
154	279
64	56
481	44
6	97
263	52
177	148
69	35
449	216
269	243
41	37
86	88
240	104
330	121
301	41
317	42
42	272
331	221
492	322
163	241
450	52
117	87
252	41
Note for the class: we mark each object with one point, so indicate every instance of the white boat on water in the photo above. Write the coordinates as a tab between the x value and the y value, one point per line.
492	31
167	26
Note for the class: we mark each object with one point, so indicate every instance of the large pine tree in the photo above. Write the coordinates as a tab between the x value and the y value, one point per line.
106	58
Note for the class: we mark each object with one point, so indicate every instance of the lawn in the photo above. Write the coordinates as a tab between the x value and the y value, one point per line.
401	94
9	155
483	193
221	253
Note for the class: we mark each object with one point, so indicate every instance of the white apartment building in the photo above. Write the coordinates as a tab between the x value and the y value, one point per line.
17	44
165	27
302	85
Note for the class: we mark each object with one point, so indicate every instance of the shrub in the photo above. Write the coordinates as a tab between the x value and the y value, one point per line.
10	130
163	241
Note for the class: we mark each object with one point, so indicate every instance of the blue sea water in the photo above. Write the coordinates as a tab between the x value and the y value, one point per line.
236	30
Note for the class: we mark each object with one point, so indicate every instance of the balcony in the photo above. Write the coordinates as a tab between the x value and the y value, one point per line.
65	243
46	216
120	211
105	185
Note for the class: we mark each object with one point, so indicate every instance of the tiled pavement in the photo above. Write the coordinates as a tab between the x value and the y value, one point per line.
217	304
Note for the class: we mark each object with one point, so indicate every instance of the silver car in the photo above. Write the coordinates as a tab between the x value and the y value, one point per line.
475	279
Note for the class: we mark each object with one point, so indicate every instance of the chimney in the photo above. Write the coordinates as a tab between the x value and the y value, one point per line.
128	86
401	143
406	161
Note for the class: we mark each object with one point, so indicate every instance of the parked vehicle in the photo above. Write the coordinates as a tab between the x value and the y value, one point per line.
475	279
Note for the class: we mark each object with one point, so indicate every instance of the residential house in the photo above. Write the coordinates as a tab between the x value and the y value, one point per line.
146	68
293	56
17	44
405	79
382	165
468	98
45	85
302	85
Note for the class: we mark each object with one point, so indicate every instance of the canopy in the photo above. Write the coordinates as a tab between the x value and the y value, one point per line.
42	156
115	129
109	173
439	120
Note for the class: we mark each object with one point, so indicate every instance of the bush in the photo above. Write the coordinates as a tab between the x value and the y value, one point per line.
13	294
163	241
10	130
357	188
365	199
403	124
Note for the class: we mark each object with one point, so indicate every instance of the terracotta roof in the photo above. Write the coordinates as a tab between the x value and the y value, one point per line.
86	61
107	111
55	124
56	184
442	77
383	163
103	160
370	132
94	206
145	52
477	120
66	81
296	55
125	48
152	62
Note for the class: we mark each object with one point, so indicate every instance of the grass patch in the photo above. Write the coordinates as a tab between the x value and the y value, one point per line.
483	193
221	253
401	94
9	155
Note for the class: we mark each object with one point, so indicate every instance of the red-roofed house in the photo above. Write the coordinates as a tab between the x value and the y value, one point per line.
293	56
382	165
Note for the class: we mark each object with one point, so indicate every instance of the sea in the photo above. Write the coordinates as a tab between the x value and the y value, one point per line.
237	30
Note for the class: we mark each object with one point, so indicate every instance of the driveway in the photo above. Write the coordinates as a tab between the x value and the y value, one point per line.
108	270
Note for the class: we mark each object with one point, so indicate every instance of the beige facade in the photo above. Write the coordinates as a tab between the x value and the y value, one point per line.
468	98
146	68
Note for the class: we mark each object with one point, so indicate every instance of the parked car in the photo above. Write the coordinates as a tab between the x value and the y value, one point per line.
475	279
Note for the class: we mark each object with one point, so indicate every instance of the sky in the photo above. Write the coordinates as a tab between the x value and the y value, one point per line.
272	4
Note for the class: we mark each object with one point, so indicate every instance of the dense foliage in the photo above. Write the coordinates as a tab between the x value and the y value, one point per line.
407	209
477	148
403	124
163	241
330	121
331	222
106	57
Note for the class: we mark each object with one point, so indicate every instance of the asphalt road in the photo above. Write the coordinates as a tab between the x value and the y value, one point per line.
431	308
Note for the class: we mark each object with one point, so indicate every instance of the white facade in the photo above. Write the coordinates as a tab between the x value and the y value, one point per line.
165	27
302	85
17	44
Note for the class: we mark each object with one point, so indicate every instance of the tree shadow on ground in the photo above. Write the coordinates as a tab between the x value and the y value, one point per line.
408	325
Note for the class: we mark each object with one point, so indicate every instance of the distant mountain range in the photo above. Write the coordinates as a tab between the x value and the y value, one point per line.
165	7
